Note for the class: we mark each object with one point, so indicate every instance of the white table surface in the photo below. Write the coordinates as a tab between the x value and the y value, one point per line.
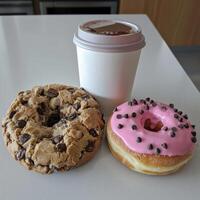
37	50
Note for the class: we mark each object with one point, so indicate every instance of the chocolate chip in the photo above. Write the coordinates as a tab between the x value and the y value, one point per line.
175	116
194	139
181	120
152	101
164	108
150	146
21	123
134	127
51	93
181	126
185	116
180	112
135	102
147	107
141	112
165	128
41	92
158	151
164	145
12	114
154	104
77	106
23	102
193	126
133	115
130	103
172	134
120	126
30	161
142	101
20	154
171	105
174	129
115	110
61	147
53	119
90	146
186	125
57	139
147	99
139	140
40	111
24	138
71	117
93	132
119	116
194	133
126	116
175	110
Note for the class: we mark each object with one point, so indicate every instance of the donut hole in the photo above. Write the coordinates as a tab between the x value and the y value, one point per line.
151	123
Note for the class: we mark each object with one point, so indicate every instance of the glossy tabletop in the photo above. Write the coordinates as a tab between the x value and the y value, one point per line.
36	50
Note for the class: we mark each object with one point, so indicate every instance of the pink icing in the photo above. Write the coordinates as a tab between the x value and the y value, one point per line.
181	144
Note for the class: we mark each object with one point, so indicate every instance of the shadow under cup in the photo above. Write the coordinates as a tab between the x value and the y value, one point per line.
108	60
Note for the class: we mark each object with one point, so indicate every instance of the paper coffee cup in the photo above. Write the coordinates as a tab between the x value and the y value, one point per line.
108	53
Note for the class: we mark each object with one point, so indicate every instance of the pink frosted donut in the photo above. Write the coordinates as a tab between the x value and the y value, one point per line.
151	137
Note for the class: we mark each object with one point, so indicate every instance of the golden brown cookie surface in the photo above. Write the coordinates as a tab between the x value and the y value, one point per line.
53	128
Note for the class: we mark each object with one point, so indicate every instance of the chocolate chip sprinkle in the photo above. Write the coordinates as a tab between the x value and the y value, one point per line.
119	116
180	112
141	112
174	129
164	108
133	115
20	154
150	146
154	104
172	134
130	103
158	151
181	120
194	139
24	138
147	99
186	125
185	116
134	127
139	140
181	126
126	116
12	114
175	110
164	145
57	139
61	147
152	101
120	126
165	128
171	105
135	102
143	101
147	107
193	126
21	123
115	110
194	133
175	116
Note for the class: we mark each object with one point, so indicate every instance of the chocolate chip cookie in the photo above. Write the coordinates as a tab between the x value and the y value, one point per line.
53	128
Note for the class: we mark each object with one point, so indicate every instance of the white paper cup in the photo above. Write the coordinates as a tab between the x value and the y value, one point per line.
107	64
